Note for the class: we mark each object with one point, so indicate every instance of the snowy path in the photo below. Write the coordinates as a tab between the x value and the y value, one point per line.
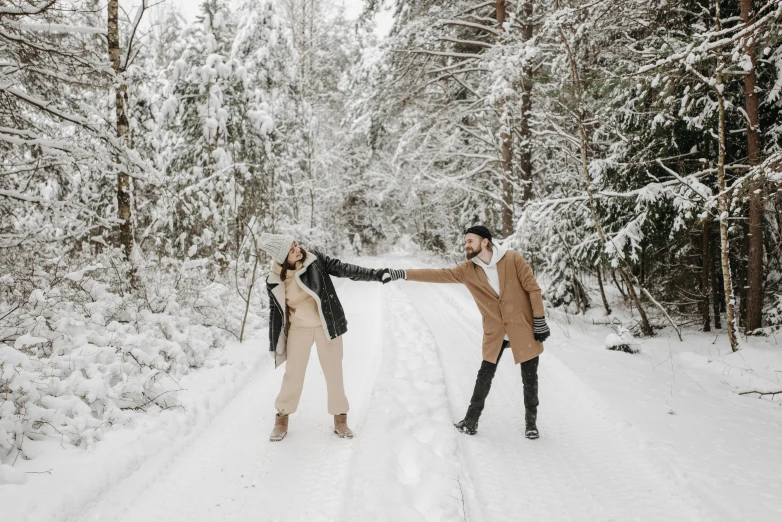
232	472
410	361
586	466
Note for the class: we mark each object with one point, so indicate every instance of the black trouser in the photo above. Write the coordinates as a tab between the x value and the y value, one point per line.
529	378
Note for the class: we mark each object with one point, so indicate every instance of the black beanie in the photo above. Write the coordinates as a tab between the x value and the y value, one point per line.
479	230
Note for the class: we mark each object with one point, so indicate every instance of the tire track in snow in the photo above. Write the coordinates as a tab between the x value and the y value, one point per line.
582	468
407	466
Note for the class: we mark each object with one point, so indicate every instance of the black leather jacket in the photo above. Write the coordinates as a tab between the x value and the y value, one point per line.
317	279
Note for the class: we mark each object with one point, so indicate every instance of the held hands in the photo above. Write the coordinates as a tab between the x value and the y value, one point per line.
541	329
390	274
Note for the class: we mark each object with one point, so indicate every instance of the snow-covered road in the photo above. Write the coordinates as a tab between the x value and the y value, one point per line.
411	355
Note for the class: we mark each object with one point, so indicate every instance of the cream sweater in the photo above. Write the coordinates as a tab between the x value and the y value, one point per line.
302	308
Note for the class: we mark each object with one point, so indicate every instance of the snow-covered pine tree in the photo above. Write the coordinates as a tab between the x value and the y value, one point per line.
50	144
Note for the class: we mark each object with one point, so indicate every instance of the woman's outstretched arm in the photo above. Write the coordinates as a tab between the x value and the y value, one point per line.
337	268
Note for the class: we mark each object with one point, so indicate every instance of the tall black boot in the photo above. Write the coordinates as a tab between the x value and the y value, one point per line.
529	376
469	424
531	412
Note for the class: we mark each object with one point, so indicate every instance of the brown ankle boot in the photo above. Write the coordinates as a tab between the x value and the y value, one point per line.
341	426
280	428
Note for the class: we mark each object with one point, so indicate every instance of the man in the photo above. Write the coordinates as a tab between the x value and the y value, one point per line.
509	299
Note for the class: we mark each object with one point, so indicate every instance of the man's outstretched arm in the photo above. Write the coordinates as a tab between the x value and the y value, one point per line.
429	275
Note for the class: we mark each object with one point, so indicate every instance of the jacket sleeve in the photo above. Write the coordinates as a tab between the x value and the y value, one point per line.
528	283
337	268
437	275
271	318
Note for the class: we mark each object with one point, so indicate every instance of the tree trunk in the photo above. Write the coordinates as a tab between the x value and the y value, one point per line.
525	145
576	294
507	189
754	294
583	297
120	101
739	273
724	201
642	268
501	13
506	148
705	275
715	288
602	291
249	292
646	328
618	286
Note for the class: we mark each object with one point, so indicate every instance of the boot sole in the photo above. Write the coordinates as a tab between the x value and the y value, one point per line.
342	436
532	436
272	439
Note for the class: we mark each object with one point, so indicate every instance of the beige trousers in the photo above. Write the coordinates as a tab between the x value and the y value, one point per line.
330	356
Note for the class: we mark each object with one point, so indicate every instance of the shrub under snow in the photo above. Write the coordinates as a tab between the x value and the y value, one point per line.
622	341
79	352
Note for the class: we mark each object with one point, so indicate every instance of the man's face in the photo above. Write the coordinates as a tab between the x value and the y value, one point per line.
473	245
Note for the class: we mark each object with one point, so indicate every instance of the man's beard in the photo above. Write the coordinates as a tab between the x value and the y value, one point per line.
472	253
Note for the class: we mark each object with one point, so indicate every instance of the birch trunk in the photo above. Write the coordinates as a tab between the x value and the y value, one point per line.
724	201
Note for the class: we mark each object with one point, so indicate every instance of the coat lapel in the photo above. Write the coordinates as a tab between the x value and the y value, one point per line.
302	272
501	273
277	287
483	279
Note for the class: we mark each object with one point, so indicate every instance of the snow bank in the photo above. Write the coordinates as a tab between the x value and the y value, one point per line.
679	394
9	475
82	355
127	460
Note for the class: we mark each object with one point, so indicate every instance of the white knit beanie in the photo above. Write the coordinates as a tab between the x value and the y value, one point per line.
276	245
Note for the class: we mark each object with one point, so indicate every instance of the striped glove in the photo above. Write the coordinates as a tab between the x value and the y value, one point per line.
541	329
392	274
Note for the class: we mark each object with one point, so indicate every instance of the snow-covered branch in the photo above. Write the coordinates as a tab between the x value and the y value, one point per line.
471	25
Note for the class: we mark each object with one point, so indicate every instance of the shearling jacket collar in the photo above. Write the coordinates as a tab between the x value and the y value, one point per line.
276	268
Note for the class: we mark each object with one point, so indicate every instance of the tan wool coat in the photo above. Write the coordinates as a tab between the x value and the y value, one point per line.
511	312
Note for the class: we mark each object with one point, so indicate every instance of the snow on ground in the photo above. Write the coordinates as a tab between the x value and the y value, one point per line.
62	480
659	435
407	466
683	397
233	472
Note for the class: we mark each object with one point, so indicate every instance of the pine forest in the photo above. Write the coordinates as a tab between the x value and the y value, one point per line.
629	150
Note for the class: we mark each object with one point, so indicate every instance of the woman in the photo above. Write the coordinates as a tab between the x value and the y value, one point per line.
305	309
